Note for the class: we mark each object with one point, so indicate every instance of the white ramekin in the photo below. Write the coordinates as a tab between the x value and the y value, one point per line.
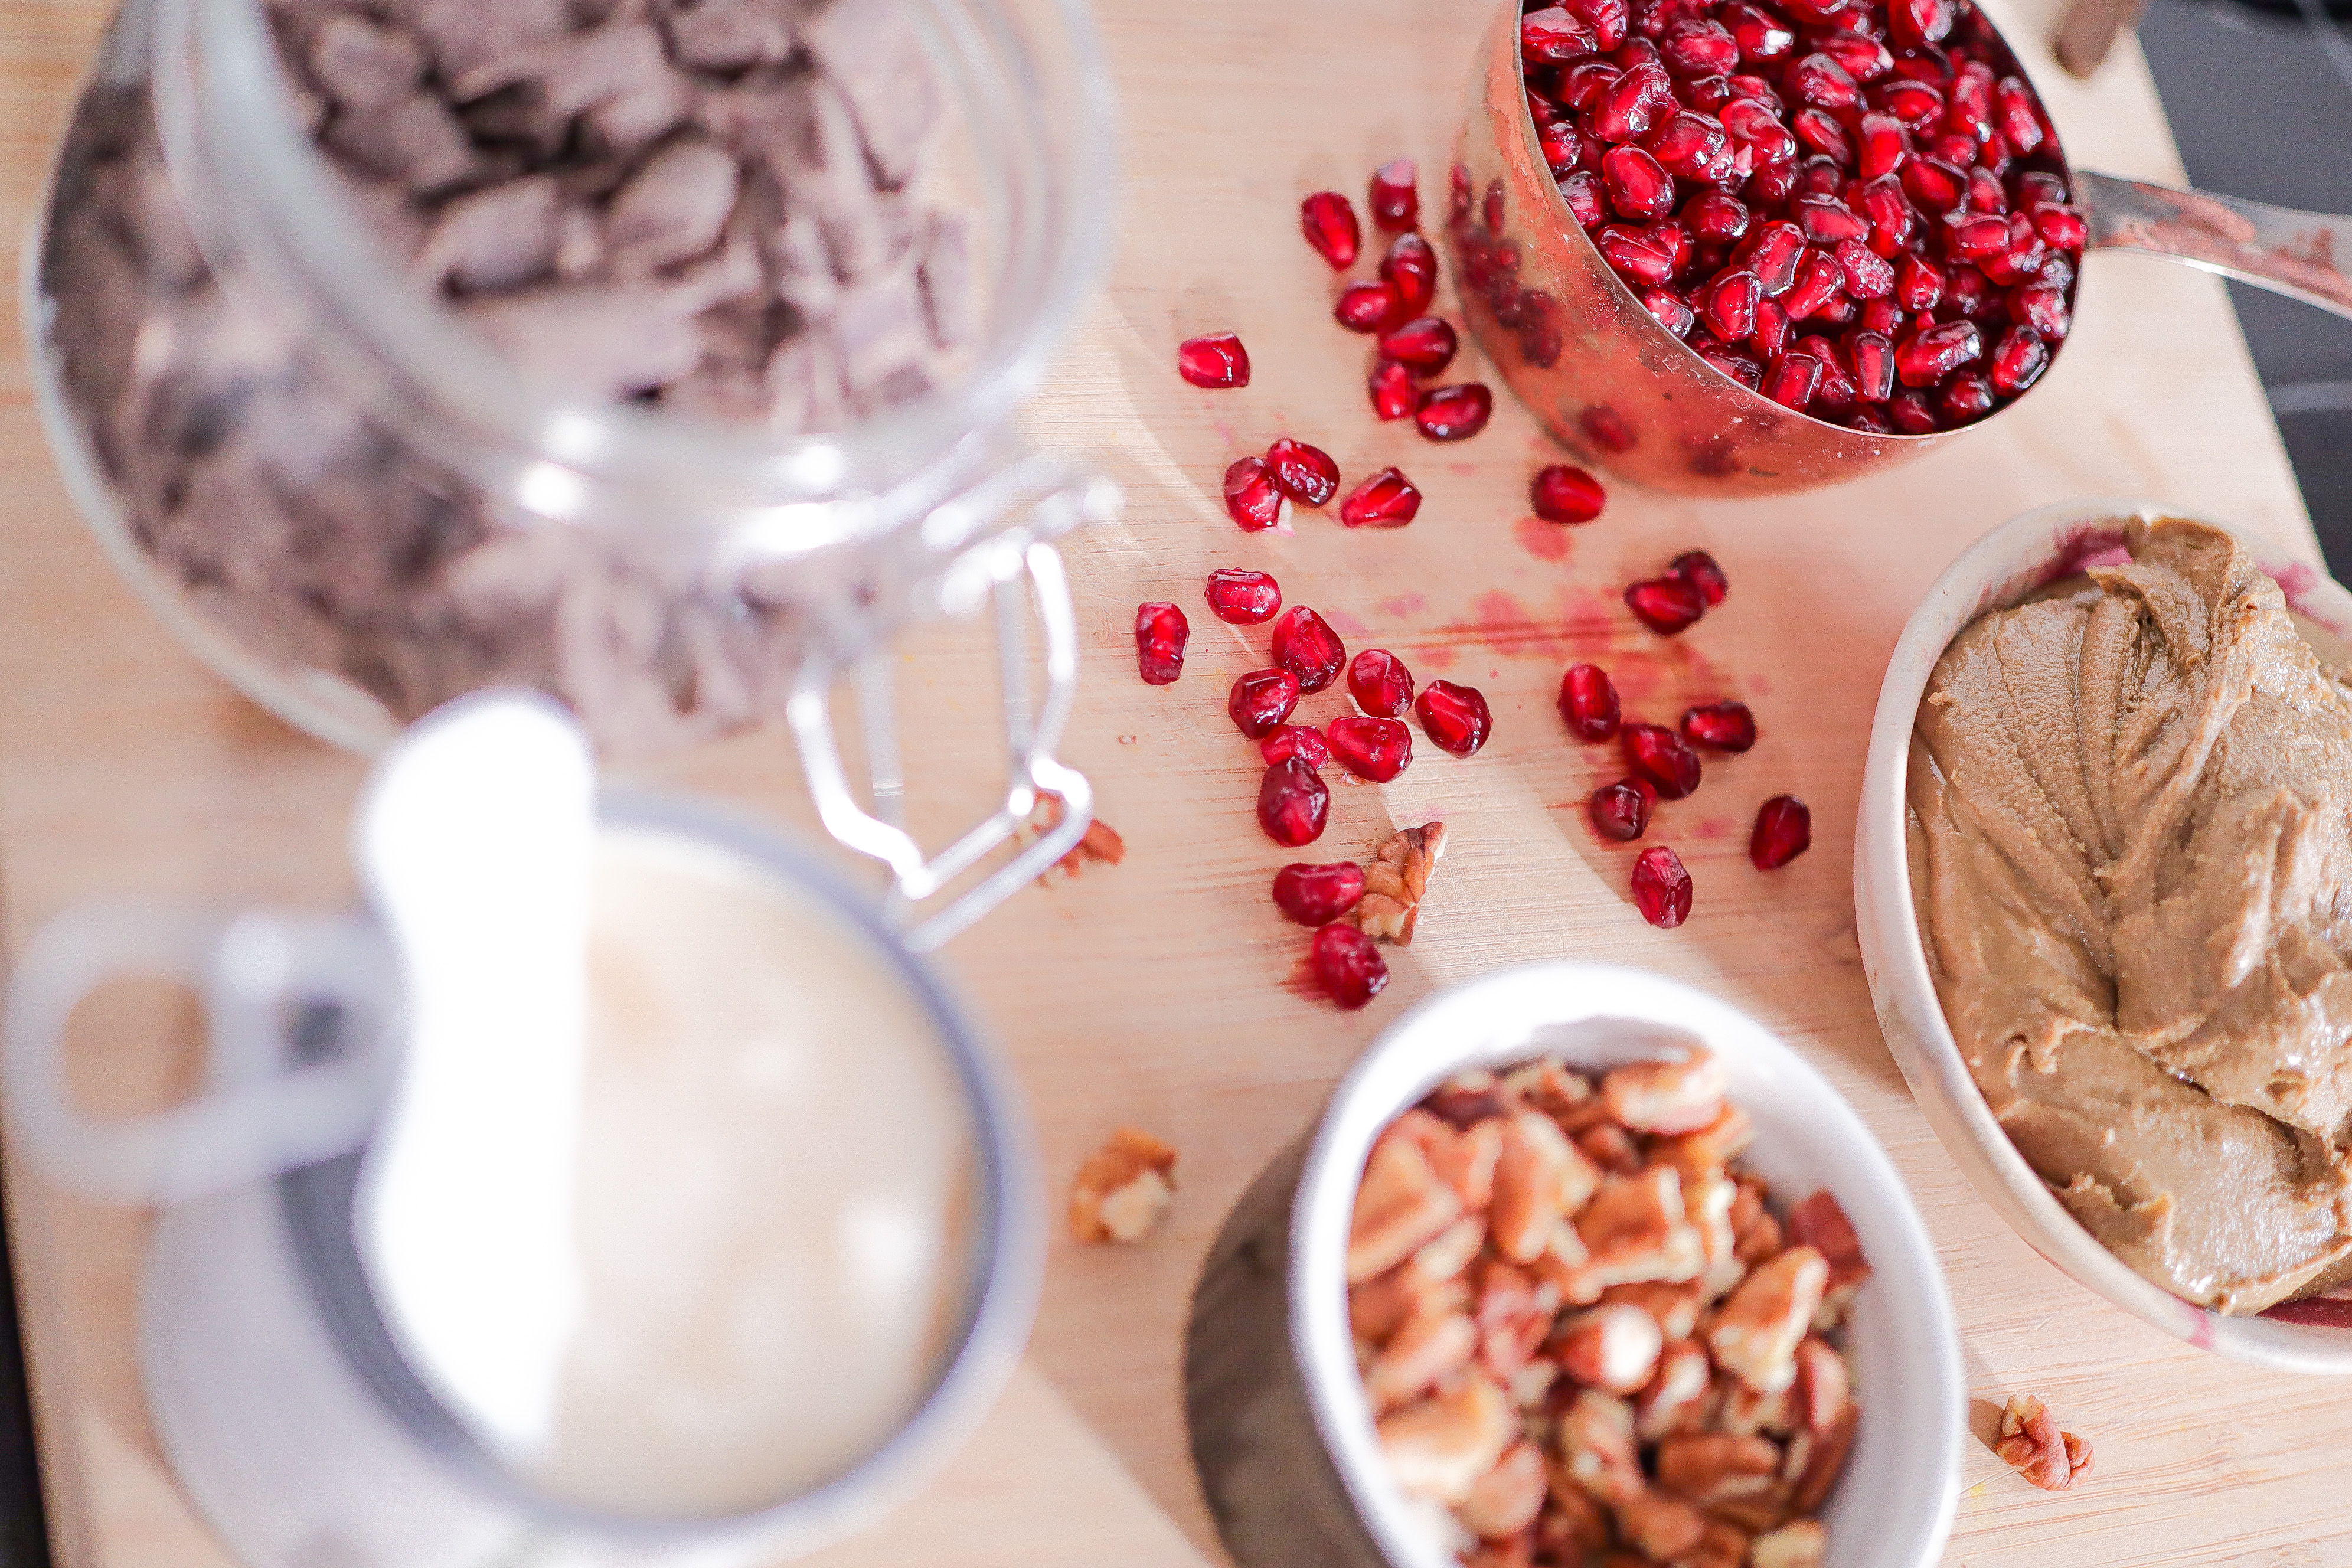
2024	554
1280	1425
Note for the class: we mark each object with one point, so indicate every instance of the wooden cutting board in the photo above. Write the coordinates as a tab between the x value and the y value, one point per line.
1165	992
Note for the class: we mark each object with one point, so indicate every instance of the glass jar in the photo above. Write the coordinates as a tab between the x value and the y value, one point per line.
354	508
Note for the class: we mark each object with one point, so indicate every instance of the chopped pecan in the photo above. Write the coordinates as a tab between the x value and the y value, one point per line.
1531	1385
1610	1147
1795	1545
1714	1467
1467	1098
1466	1162
1098	845
1507	1499
2033	1446
1744	1413
1723	1545
1814	1460
1539	1179
1439	1448
1451	1251
1611	1348
1635	1230
1426	1349
1573	1527
1821	1224
1596	1443
1667	1097
1755	1233
1555	1090
1518	1552
1755	1335
1377	1308
1823	1390
1123	1188
1660	1527
1675	1306
1400	1204
1676	1399
1515	1317
1395	881
1710	1148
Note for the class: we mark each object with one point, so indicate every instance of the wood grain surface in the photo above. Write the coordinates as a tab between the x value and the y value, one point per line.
1166	992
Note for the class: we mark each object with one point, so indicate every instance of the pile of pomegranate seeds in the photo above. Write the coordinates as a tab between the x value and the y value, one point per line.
1784	830
1160	633
1214	361
1563	493
1844	207
1674	602
1243	598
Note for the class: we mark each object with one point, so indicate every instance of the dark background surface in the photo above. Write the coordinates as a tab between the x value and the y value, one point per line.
2260	102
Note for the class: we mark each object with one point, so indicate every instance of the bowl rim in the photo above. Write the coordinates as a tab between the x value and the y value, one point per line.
2030	549
1501	1018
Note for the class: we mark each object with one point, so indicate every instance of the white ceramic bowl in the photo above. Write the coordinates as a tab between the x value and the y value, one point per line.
1893	1508
2020	555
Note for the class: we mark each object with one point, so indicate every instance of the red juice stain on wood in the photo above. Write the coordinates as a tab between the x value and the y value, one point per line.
1403	604
1346	625
1711	826
1544	540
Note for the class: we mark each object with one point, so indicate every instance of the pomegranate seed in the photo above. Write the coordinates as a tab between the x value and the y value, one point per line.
1243	598
1826	220
1662	888
1638	257
1374	749
1393	392
1725	726
1918	286
1784	830
1455	718
1301	741
1381	684
1214	361
1293	803
2018	117
1964	290
1330	226
1261	699
1666	604
1707	93
1747	372
1606	18
1909	413
1974	236
1819	81
1303	473
1674	240
1387	500
1818	175
1927	356
1629	106
1698	48
1863	57
1772	254
1424	344
1581	85
1968	110
1919	22
1454	413
1866	273
1773	329
1791	381
1669	310
1761	35
2019	361
1552	37
2063	228
1966	398
2042	306
1914	104
1160	633
1873	367
1365	307
1564	149
1715	217
1935	184
1638	188
1686	144
1588	203
1347	967
1606	428
1958	150
1587	701
1728	307
1394	199
1306	645
1564	493
1752	124
1819	129
1317	895
1251	498
1870	422
1985	193
1892	223
1410	267
1697	568
1819	282
1883	317
1622	810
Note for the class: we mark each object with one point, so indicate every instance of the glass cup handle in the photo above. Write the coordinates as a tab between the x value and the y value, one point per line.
1009	564
263	1108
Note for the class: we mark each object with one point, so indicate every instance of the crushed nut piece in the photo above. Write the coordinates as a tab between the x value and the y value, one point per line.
1667	1097
1100	844
1756	1335
1797	1545
1507	1499
1123	1188
1395	881
1440	1448
1614	1348
1400	1204
2033	1446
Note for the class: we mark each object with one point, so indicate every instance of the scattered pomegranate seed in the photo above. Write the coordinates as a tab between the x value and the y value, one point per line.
1365	307
1424	344
1347	967
1454	413
1393	392
1251	498
1725	726
1394	200
1662	888
1564	493
1306	645
1663	757
1784	830
1160	633
1622	810
1293	802
1381	684
1666	604
1331	228
2019	359
1387	500
1455	718
1215	360
1303	473
1243	598
1304	741
1317	895
1588	700
1410	268
1261	699
1374	749
1697	568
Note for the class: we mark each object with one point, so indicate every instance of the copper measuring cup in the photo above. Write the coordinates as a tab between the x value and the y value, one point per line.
1601	374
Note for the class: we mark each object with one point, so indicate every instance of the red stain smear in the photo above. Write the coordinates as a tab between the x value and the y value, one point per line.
1432	656
1761	685
1343	622
1544	540
1711	828
1301	982
1403	604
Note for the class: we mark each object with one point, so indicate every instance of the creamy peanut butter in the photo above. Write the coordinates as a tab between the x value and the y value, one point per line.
2131	850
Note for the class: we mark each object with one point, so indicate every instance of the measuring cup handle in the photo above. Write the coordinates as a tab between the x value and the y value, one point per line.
2283	249
263	1110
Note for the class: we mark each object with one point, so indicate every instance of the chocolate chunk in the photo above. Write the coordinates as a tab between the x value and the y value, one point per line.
873	55
573	72
415	142
363	68
468	36
589	341
729	35
880	329
946	274
493	239
672	209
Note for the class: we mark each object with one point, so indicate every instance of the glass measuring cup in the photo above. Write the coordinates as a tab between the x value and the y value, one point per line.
1605	378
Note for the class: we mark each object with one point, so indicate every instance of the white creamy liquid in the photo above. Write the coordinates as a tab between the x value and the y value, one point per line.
776	1161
